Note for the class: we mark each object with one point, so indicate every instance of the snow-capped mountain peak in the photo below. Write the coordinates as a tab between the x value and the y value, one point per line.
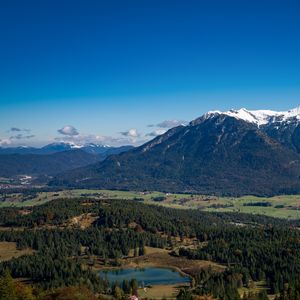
72	145
259	117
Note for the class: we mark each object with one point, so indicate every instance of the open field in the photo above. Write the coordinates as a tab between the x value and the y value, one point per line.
159	292
8	250
18	200
287	206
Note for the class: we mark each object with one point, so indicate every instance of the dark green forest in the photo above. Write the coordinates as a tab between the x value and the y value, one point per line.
250	247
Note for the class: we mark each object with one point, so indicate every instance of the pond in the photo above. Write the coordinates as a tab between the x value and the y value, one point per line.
146	276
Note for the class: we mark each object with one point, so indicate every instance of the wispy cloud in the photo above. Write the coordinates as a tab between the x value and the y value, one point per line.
14	138
156	132
20	136
17	129
169	124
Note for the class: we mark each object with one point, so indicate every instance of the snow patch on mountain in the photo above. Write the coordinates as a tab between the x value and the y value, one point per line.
72	145
259	117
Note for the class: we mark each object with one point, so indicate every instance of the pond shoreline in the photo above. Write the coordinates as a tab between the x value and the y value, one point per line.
161	258
148	276
143	266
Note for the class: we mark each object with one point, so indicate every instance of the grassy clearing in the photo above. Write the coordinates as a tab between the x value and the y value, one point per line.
8	250
17	199
281	206
83	221
254	288
159	292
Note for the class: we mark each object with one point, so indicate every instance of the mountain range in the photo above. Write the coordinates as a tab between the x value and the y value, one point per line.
230	153
63	146
52	159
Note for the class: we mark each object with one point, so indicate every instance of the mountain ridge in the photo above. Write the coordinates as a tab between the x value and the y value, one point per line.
259	117
218	154
51	159
48	164
64	146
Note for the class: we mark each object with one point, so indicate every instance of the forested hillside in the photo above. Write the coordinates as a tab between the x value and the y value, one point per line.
218	154
251	248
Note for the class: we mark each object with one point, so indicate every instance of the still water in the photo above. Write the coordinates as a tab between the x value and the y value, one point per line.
146	276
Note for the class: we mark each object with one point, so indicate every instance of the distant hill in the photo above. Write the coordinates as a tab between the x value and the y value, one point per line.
231	153
35	164
104	150
52	159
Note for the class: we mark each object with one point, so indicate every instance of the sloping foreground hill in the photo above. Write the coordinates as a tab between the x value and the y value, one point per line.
217	154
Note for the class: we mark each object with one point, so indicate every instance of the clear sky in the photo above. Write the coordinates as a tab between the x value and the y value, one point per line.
105	67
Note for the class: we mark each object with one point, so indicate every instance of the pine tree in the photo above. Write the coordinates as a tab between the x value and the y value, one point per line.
134	286
118	292
7	287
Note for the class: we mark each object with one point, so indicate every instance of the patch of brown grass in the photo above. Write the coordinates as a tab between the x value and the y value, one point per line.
3	228
24	212
159	291
83	221
8	250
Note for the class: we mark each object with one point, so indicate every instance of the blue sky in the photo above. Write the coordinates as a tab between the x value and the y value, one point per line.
105	67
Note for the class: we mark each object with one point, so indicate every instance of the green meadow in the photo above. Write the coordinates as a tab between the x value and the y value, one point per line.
285	206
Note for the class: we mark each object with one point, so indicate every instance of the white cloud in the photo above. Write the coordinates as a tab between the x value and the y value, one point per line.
68	130
69	134
133	133
5	142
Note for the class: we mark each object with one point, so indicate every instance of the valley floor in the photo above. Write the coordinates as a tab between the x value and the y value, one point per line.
84	231
283	206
